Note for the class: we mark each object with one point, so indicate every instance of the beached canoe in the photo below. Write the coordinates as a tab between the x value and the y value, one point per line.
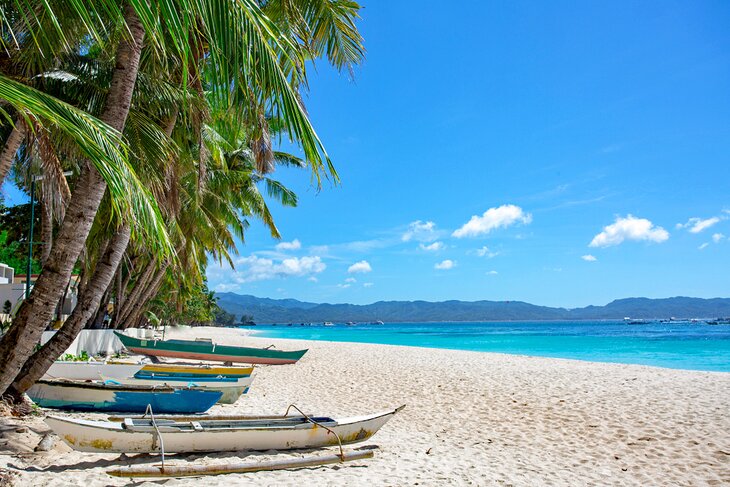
192	370
91	370
207	350
98	396
231	389
283	433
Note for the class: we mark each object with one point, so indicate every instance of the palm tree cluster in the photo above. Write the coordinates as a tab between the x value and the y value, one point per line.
167	113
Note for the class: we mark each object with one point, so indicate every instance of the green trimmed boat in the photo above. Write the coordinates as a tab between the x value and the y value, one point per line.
207	350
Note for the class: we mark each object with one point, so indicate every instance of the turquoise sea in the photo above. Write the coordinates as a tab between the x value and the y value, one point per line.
695	346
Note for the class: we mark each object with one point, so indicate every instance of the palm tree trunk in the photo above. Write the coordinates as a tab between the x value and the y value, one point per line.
11	148
36	312
46	229
97	321
87	305
148	294
118	296
131	300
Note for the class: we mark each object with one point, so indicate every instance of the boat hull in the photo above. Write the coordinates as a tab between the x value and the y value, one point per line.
90	370
230	390
93	397
178	370
195	350
103	436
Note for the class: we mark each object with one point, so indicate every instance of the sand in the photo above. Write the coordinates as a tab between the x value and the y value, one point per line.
471	419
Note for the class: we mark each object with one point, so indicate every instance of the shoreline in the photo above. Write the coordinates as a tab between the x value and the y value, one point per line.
521	355
485	418
259	334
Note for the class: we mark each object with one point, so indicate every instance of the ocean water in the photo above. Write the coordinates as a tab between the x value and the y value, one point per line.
693	346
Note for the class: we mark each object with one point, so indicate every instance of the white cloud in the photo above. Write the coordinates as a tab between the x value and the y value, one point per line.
629	228
350	279
254	268
589	258
500	217
485	252
368	284
312	279
696	225
445	265
703	246
344	286
420	232
363	266
434	247
718	237
293	245
492	273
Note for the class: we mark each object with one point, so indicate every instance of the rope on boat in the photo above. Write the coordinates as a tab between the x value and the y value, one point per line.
159	435
339	441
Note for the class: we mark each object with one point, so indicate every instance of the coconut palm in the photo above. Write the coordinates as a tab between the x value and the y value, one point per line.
244	59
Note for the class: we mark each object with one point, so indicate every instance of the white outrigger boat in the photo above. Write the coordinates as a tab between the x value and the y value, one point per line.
91	370
216	435
231	389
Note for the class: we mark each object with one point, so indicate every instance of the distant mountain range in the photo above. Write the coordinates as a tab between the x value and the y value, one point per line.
265	310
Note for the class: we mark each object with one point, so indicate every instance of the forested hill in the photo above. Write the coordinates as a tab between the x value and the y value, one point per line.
265	310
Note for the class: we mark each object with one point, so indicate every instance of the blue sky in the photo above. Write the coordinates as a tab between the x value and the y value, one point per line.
571	138
575	113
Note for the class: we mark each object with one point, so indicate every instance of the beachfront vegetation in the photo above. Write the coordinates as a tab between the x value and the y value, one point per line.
167	114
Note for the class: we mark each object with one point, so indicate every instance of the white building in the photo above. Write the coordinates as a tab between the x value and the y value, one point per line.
12	290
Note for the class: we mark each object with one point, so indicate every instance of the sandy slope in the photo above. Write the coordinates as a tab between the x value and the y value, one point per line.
471	419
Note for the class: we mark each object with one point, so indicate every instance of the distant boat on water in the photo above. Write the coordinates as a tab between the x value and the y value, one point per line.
328	323
632	321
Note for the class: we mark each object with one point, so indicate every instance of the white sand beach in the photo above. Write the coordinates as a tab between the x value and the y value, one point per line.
471	419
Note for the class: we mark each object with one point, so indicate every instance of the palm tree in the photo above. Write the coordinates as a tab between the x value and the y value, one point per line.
250	62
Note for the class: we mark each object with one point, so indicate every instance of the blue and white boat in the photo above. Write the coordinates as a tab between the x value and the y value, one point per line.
106	396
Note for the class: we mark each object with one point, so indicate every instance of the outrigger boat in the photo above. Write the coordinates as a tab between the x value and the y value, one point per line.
207	350
98	396
201	435
91	370
192	371
230	388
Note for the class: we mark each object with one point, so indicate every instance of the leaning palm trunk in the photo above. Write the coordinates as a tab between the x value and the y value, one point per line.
125	310
11	148
149	293
36	312
85	309
46	205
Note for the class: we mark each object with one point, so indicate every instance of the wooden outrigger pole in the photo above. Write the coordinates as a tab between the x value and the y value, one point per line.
199	470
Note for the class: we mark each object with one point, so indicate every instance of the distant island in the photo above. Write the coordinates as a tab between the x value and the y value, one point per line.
266	310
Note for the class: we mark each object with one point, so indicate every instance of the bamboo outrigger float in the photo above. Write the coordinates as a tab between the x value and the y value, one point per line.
198	470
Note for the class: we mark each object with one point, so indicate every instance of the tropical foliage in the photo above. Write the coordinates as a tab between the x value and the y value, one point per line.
166	114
